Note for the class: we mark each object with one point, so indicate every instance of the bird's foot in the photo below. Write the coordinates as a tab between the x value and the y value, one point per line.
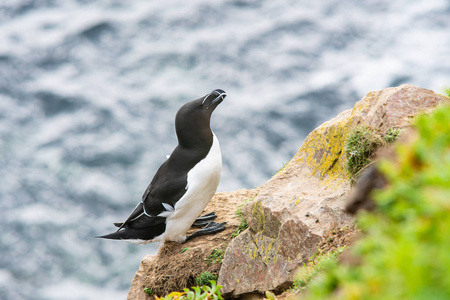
211	228
204	220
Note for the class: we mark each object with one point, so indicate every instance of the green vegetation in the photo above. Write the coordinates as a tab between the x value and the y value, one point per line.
280	169
215	257
184	249
205	278
405	250
391	135
361	143
316	264
270	295
212	291
242	226
148	291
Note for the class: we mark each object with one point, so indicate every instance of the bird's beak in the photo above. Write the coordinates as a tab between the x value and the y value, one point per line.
220	95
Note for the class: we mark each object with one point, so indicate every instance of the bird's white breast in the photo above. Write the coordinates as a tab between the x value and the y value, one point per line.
203	180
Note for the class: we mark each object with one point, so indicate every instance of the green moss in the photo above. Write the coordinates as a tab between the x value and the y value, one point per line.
404	251
361	143
205	278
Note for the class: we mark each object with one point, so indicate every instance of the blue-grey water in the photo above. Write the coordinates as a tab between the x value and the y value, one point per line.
89	91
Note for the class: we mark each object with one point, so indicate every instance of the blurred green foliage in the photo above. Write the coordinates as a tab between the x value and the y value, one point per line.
314	267
405	250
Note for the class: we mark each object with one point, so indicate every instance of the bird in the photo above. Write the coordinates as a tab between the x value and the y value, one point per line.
183	185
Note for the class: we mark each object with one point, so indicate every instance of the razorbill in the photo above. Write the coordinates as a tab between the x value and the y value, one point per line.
184	184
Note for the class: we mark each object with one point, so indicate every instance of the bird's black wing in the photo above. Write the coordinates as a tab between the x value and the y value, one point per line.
166	188
140	228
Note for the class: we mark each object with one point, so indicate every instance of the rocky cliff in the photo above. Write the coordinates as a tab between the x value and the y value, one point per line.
290	216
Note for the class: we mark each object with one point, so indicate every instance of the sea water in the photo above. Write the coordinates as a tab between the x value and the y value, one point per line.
89	92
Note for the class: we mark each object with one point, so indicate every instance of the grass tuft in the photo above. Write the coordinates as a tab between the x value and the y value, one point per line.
359	146
215	257
242	225
392	135
205	277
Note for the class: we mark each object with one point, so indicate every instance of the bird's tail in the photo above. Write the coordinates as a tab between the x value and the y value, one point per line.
118	235
141	233
124	236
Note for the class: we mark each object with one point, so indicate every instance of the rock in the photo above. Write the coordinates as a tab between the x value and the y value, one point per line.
176	265
299	207
295	213
138	284
360	197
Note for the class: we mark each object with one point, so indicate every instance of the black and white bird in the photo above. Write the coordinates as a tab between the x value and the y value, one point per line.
184	184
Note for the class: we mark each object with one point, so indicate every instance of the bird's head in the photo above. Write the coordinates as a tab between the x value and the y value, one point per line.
213	99
193	118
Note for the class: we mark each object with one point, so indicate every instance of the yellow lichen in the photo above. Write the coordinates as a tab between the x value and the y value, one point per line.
263	247
258	214
324	151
